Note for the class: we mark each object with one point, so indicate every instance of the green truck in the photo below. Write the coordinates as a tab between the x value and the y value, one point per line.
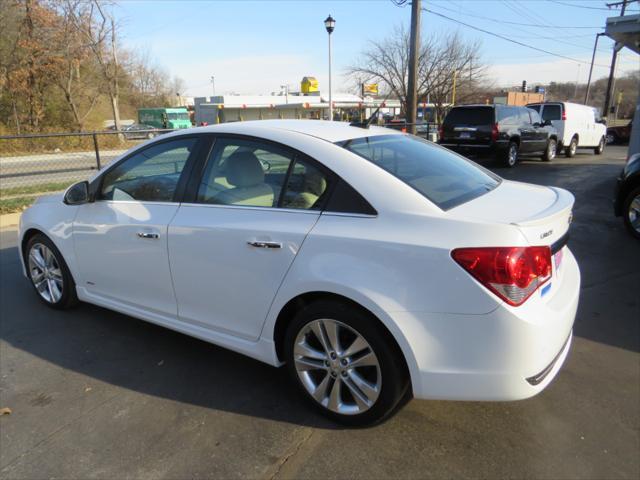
173	118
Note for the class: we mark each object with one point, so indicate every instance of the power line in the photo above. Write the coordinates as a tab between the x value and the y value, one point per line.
513	23
578	6
509	39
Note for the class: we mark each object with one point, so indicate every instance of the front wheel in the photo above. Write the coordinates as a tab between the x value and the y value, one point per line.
49	274
600	148
550	152
631	212
345	363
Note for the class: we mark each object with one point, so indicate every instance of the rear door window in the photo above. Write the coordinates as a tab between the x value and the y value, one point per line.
473	116
552	112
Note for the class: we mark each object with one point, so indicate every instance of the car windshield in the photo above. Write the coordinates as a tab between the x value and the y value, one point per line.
470	116
445	178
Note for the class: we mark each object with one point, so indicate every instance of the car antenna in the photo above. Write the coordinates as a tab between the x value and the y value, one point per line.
368	122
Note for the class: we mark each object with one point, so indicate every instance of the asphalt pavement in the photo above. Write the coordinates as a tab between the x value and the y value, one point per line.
96	394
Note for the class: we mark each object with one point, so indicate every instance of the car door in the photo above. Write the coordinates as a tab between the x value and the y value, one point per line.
121	238
527	132
541	131
230	247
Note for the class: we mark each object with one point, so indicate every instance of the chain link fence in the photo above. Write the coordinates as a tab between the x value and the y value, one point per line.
34	165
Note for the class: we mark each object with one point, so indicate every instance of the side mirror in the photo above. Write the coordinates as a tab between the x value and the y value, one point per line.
537	124
77	194
547	123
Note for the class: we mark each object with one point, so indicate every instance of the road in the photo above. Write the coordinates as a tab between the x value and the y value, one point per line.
51	167
96	394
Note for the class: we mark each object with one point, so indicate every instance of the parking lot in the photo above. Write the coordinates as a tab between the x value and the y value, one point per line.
96	394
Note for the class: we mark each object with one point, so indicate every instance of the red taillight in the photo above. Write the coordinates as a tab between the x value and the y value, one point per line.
494	132
564	114
441	131
512	273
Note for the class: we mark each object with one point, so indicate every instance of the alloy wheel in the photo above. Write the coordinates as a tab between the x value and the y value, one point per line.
634	213
551	150
337	366
513	155
45	273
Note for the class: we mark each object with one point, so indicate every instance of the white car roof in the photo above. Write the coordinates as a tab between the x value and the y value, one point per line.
325	130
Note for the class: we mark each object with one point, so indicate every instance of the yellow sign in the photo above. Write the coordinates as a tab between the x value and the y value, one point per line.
309	85
370	89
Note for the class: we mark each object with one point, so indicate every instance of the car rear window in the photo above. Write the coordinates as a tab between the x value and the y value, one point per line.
444	177
551	112
470	116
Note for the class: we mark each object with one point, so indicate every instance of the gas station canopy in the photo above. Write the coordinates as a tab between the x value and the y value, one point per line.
625	31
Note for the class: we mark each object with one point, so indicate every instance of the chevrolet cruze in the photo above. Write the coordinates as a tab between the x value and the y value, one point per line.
373	264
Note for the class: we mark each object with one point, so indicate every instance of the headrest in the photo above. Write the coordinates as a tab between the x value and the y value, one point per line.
244	170
315	183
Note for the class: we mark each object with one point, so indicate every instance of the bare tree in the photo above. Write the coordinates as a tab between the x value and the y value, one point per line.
78	84
98	26
387	62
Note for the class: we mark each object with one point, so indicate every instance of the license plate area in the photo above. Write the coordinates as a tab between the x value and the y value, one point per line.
465	135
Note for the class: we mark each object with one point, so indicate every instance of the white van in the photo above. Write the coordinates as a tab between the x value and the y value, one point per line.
578	126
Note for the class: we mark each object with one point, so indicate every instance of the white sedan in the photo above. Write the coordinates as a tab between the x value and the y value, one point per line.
372	263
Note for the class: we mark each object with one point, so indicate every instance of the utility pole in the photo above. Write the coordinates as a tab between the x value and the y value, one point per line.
593	57
213	85
612	71
412	93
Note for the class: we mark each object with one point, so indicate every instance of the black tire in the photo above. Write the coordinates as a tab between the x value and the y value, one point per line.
69	297
627	213
394	377
570	150
509	157
550	151
600	148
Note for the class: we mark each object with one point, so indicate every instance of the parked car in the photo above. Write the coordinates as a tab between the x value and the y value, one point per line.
577	125
503	131
619	134
627	196
374	264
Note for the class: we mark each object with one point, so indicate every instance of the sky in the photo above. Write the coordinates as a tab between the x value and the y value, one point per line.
254	47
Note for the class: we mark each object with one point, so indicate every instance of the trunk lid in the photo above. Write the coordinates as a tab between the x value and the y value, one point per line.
542	214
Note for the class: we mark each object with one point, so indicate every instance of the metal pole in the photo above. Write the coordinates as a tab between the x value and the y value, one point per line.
412	94
593	57
330	91
95	145
612	72
213	85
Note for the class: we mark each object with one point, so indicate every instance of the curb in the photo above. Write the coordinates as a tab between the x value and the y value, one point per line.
9	220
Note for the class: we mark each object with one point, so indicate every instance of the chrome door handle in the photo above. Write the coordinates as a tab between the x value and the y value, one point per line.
153	236
259	244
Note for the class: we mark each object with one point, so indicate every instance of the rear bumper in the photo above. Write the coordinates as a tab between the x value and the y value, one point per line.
490	149
511	353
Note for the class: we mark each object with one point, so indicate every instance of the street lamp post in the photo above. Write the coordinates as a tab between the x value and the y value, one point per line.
330	24
213	85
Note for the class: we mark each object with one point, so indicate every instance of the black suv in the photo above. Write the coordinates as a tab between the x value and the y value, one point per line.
504	131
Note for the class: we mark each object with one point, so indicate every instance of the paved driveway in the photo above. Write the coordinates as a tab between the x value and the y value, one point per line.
96	394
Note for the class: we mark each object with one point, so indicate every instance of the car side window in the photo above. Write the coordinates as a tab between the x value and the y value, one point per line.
244	172
307	187
150	175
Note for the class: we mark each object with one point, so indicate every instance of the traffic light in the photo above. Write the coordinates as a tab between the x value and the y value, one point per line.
524	85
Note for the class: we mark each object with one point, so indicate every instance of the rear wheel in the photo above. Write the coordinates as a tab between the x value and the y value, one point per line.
510	156
600	148
550	152
49	273
344	363
631	212
611	138
570	150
